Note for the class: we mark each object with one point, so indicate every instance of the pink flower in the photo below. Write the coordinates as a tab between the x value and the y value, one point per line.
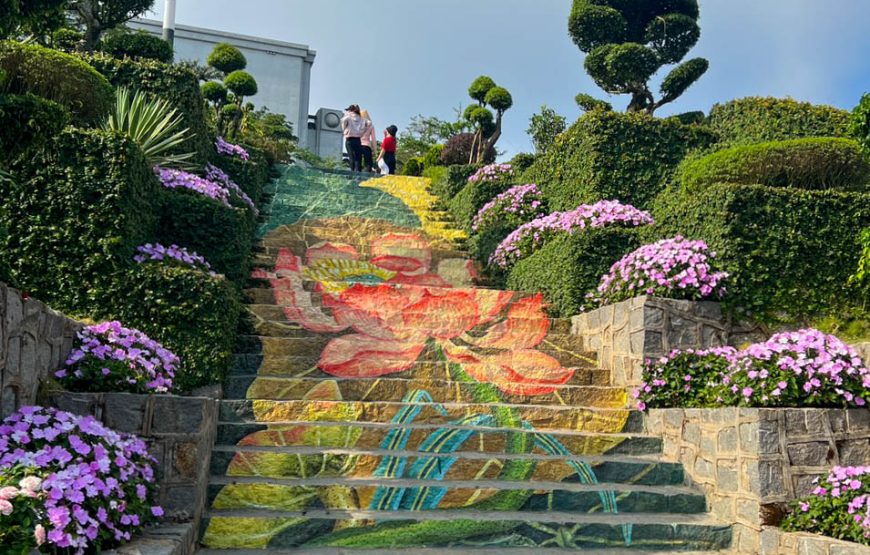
39	534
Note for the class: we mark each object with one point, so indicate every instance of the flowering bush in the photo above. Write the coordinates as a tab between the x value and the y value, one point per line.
838	507
179	179
217	175
229	149
514	207
689	379
531	236
800	368
172	254
673	268
96	485
111	357
492	173
20	496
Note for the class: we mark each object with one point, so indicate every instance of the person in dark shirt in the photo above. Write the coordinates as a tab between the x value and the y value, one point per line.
388	148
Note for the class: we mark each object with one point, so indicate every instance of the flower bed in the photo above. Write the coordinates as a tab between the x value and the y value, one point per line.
673	268
231	150
85	487
838	507
514	207
178	179
492	173
530	237
217	175
806	368
172	254
110	357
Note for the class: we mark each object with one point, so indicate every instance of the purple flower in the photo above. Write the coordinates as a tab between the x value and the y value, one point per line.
229	149
178	179
515	206
491	173
159	253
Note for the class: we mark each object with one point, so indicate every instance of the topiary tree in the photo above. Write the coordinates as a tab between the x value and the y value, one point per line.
487	128
138	45
859	124
98	16
30	17
588	103
628	42
544	127
226	58
241	84
214	92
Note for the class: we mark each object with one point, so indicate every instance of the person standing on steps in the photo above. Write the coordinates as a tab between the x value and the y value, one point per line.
388	149
369	144
354	127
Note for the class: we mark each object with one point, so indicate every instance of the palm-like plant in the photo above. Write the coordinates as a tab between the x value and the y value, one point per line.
153	124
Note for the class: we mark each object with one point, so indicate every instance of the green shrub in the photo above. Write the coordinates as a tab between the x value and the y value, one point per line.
75	215
56	76
66	40
453	180
177	85
613	156
859	124
226	58
413	167
815	163
191	313
214	91
251	175
759	120
241	83
789	252
468	201
570	266
28	121
522	162
433	156
435	173
139	45
483	243
224	236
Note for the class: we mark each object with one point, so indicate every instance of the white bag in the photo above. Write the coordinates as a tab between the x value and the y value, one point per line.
385	170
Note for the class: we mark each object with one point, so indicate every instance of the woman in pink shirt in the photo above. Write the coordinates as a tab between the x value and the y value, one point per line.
369	144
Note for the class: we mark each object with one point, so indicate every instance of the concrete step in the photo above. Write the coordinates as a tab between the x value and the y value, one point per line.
442	550
463	528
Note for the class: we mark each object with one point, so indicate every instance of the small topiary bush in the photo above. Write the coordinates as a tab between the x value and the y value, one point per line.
760	120
241	83
56	76
568	267
176	84
815	163
610	155
26	122
453	180
139	45
226	58
838	507
788	253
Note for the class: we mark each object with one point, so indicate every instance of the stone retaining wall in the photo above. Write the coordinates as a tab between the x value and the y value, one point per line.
776	542
180	432
752	462
34	341
625	334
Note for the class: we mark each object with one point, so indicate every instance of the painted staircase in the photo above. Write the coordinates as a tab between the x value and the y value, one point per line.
385	404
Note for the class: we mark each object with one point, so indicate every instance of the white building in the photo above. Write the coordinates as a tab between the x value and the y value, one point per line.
283	74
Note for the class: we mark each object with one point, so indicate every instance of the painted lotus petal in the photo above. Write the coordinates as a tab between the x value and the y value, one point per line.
525	327
404	246
490	303
360	356
520	372
423	280
443	316
377	311
401	264
330	251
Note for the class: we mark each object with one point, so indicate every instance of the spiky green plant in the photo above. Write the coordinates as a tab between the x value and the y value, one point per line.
153	124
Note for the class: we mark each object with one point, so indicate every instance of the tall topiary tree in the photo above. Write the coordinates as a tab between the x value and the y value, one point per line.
230	62
487	127
97	16
226	58
629	41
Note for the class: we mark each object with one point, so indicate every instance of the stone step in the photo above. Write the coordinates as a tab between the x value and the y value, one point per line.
462	528
305	236
439	551
238	493
397	389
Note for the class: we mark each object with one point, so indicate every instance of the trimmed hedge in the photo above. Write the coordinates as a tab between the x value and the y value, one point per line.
251	175
616	156
815	163
759	120
75	215
570	266
224	236
138	45
56	76
177	85
789	252
454	179
467	202
28	121
484	243
191	313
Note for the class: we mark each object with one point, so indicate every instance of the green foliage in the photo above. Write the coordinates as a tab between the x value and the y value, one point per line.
454	179
610	155
226	58
435	173
861	278
570	266
788	252
834	516
478	115
588	103
67	244
251	175
758	120
176	85
815	163
154	125
67	40
499	98
628	42
471	198
241	83
56	76
193	314
859	125
522	161
544	128
691	118
139	45
433	156
480	87
36	17
224	236
26	122
669	388
214	91
269	132
97	17
413	167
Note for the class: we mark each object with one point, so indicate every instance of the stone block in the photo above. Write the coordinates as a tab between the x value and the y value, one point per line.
771	479
727	440
814	453
726	475
653	344
795	423
186	461
802	484
692	433
749	437
125	412
703	470
178	415
859	420
838	420
817	421
682	334
768	437
653	318
748	511
854	452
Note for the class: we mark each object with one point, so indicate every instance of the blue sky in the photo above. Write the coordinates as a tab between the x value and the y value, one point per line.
399	58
